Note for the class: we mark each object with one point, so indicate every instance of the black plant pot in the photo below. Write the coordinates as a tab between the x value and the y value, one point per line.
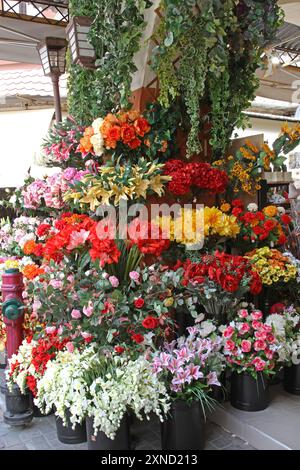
184	427
67	435
36	411
249	394
220	394
102	442
292	379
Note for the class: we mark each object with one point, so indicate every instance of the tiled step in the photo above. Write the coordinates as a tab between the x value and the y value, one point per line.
276	428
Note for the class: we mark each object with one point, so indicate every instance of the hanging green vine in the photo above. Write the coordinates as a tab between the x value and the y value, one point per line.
116	34
208	53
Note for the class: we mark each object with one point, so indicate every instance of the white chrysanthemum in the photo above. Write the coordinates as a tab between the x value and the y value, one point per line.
97	123
252	207
98	144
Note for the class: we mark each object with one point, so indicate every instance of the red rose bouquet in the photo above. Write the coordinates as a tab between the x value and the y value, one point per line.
219	280
250	345
185	176
260	228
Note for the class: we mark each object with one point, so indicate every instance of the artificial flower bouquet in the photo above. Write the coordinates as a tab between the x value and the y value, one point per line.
272	266
219	280
45	196
190	366
259	228
102	387
111	184
127	135
94	305
31	361
61	146
286	325
186	177
250	344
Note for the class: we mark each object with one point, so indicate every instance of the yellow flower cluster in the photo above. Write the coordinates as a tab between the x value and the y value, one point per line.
192	225
292	132
272	266
112	184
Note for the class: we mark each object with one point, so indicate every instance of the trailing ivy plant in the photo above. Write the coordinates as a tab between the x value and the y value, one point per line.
207	53
116	35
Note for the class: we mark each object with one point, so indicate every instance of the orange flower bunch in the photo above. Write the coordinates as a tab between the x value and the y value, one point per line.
128	128
31	271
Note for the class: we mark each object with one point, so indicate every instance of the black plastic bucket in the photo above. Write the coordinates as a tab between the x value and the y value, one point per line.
249	394
292	379
67	435
184	427
102	442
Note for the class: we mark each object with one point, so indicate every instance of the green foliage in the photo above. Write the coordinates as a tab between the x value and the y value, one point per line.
115	34
207	53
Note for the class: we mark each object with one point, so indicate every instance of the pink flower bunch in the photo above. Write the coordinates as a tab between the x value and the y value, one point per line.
51	190
188	361
250	344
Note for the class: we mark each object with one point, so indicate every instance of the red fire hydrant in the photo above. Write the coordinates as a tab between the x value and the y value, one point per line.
18	406
13	309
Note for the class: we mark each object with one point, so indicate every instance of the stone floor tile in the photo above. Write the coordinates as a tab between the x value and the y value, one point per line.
38	443
222	442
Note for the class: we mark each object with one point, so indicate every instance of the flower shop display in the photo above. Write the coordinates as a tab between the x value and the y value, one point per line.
272	266
219	281
251	351
286	324
61	146
46	195
112	184
126	317
257	228
188	367
185	177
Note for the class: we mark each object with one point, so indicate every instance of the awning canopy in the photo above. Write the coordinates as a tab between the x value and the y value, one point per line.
21	135
24	24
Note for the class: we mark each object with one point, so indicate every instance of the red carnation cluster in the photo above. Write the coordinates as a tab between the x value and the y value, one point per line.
200	175
228	271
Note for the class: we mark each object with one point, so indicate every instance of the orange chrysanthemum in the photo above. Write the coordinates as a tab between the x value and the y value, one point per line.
29	247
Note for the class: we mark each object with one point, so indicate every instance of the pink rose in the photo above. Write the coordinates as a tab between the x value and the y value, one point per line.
260	334
228	332
114	281
76	314
267	328
270	338
230	345
269	354
243	313
134	275
257	325
50	330
88	311
256	315
246	346
70	347
260	345
259	364
245	328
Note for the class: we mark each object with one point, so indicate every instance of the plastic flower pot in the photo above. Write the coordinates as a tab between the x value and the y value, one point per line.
292	379
220	394
36	411
102	442
184	427
67	435
249	394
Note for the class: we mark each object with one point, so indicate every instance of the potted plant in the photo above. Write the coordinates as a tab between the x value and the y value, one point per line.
63	388
118	385
286	324
28	366
189	367
250	348
218	281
